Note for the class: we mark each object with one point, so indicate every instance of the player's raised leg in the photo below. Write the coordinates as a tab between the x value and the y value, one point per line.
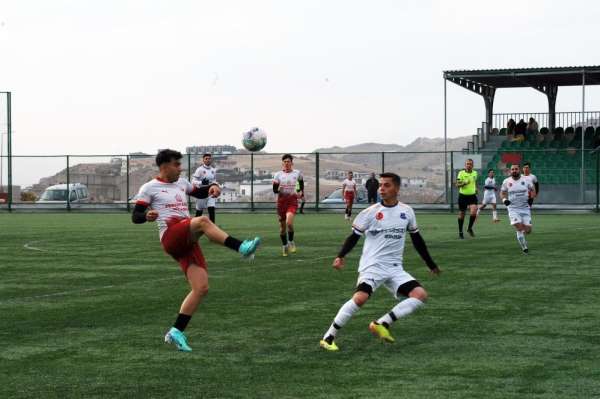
202	225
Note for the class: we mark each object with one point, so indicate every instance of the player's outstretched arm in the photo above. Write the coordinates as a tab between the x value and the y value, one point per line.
421	247
202	192
141	214
348	245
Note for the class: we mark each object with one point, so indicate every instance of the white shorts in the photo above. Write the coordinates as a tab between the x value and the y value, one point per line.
519	216
391	280
489	197
205	202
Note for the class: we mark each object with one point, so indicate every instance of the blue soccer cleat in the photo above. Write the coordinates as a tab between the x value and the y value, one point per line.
174	336
249	247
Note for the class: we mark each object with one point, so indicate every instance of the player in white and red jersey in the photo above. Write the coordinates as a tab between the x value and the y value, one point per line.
284	186
205	175
515	192
349	193
164	200
385	226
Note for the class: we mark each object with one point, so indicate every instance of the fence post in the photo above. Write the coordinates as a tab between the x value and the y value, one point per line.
382	162
317	181
598	180
450	179
127	189
189	168
9	149
252	181
68	187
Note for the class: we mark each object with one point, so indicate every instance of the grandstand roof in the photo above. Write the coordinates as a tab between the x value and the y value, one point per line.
529	77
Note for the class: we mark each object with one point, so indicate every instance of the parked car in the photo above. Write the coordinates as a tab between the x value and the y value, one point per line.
57	194
336	197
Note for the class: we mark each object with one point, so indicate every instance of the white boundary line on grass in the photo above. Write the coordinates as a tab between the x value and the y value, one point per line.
29	247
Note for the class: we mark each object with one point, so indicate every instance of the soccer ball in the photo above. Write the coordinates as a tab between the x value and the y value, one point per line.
254	140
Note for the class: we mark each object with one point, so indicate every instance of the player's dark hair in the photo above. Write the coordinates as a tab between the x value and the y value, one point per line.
490	170
526	164
166	156
287	156
207	154
395	178
469	159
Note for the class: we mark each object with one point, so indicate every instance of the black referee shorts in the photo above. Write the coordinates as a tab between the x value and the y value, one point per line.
465	200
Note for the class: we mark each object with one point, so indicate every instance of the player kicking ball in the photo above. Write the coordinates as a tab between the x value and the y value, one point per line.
515	192
164	200
385	226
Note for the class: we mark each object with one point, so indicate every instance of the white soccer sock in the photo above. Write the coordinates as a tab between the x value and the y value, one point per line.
494	215
521	239
402	309
478	211
342	317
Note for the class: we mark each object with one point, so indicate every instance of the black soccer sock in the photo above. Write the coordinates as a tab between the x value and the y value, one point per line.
232	243
290	236
182	321
460	224
198	213
211	213
283	239
349	212
471	221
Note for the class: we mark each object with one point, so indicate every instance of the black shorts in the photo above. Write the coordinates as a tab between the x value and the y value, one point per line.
465	200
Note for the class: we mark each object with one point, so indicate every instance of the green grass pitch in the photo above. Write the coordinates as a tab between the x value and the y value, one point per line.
86	299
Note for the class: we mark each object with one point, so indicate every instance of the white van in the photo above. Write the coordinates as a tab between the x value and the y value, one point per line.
78	193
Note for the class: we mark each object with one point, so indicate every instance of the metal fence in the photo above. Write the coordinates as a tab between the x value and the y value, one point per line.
562	119
110	182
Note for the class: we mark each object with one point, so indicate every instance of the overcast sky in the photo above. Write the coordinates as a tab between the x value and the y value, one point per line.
121	76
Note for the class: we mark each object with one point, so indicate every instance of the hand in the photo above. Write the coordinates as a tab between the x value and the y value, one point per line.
214	191
151	215
506	202
338	263
436	271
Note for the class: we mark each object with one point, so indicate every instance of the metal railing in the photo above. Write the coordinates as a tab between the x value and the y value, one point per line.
112	181
562	119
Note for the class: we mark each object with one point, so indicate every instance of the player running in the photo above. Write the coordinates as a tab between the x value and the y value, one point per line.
205	175
515	193
532	179
349	192
385	226
164	200
466	181
489	195
284	185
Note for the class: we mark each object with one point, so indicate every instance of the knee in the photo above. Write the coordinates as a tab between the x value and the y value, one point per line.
360	298
201	291
289	226
200	222
420	294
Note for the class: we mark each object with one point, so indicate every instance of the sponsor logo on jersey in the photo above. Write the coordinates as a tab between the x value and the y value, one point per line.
379	216
403	215
178	198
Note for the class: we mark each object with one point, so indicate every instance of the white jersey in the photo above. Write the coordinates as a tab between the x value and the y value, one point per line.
287	181
385	229
518	192
490	184
349	185
532	179
169	199
204	175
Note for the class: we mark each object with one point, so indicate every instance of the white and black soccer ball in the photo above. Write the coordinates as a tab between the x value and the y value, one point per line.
255	139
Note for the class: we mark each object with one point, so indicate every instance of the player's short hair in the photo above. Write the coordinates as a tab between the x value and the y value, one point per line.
207	154
166	156
395	178
490	170
469	159
526	164
287	156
